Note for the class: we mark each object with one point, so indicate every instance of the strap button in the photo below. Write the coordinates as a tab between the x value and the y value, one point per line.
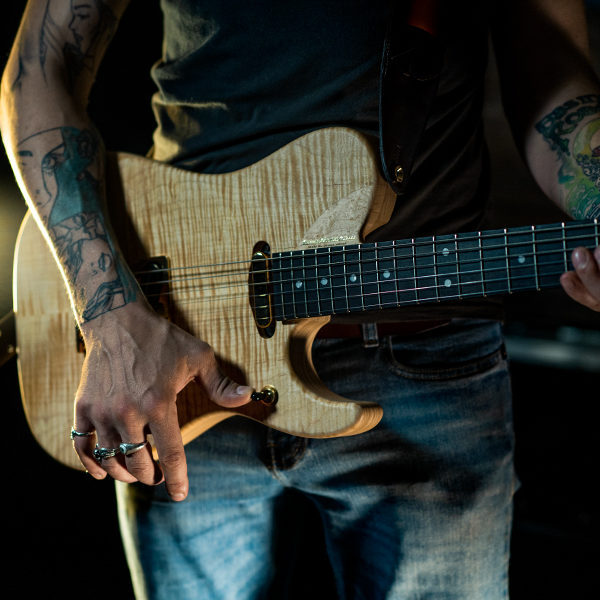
399	174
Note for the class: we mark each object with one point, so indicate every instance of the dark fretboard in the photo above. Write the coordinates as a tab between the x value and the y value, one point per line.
378	275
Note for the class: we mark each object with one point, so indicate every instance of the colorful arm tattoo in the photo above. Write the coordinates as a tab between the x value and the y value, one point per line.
573	132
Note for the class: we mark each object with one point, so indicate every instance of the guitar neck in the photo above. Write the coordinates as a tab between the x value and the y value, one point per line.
372	276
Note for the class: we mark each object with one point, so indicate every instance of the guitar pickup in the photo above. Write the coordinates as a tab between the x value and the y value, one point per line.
259	289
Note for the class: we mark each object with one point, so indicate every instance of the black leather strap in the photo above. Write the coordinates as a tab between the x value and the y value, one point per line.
410	68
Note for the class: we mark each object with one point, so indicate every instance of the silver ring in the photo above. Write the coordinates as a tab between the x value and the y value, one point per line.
102	453
75	433
128	449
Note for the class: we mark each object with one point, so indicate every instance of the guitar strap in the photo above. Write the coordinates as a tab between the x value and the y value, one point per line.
410	69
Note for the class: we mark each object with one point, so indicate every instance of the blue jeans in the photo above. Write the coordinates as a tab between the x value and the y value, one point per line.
418	508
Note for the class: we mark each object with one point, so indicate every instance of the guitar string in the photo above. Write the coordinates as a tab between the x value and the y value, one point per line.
380	305
454	267
485	285
377	258
405	244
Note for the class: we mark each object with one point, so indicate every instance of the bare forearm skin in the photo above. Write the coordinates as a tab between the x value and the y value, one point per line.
56	154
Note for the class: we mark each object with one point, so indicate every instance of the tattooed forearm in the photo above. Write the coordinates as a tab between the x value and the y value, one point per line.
46	83
49	36
573	132
21	73
91	25
64	166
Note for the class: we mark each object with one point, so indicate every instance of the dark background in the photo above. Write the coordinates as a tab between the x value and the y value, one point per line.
59	526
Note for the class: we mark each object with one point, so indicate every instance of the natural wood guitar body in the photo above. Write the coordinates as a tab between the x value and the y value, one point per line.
322	189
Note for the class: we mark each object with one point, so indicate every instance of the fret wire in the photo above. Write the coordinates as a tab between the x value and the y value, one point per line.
276	286
379	257
304	279
324	305
435	269
564	244
395	263
376	249
535	265
481	264
295	309
414	266
457	262
318	286
329	270
315	282
346	281
507	262
360	278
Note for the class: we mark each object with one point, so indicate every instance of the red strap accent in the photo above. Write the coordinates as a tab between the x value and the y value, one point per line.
423	14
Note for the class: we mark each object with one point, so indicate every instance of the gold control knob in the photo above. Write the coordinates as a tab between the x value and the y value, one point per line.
268	396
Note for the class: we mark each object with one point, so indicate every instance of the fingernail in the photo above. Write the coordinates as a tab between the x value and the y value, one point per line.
242	390
178	497
580	258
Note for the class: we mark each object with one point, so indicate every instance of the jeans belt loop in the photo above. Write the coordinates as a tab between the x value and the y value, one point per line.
370	335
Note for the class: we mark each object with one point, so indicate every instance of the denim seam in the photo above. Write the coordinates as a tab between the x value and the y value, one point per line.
472	367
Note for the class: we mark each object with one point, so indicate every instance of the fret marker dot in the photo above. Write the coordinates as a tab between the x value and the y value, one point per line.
353	278
386	274
447	283
521	259
298	284
324	281
445	251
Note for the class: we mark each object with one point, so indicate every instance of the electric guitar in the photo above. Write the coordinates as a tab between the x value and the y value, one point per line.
255	262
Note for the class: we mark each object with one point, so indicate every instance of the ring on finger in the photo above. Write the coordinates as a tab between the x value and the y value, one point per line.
103	453
128	449
75	433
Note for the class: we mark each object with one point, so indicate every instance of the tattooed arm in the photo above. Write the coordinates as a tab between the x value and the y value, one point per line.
135	361
551	96
53	147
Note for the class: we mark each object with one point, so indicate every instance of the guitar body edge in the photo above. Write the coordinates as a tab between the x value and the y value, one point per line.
298	197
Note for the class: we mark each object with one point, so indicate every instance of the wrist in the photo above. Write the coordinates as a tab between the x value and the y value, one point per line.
127	316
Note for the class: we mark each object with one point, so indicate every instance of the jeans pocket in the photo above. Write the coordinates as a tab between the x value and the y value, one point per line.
453	355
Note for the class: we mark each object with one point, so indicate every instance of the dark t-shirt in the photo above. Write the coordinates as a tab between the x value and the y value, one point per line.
238	80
